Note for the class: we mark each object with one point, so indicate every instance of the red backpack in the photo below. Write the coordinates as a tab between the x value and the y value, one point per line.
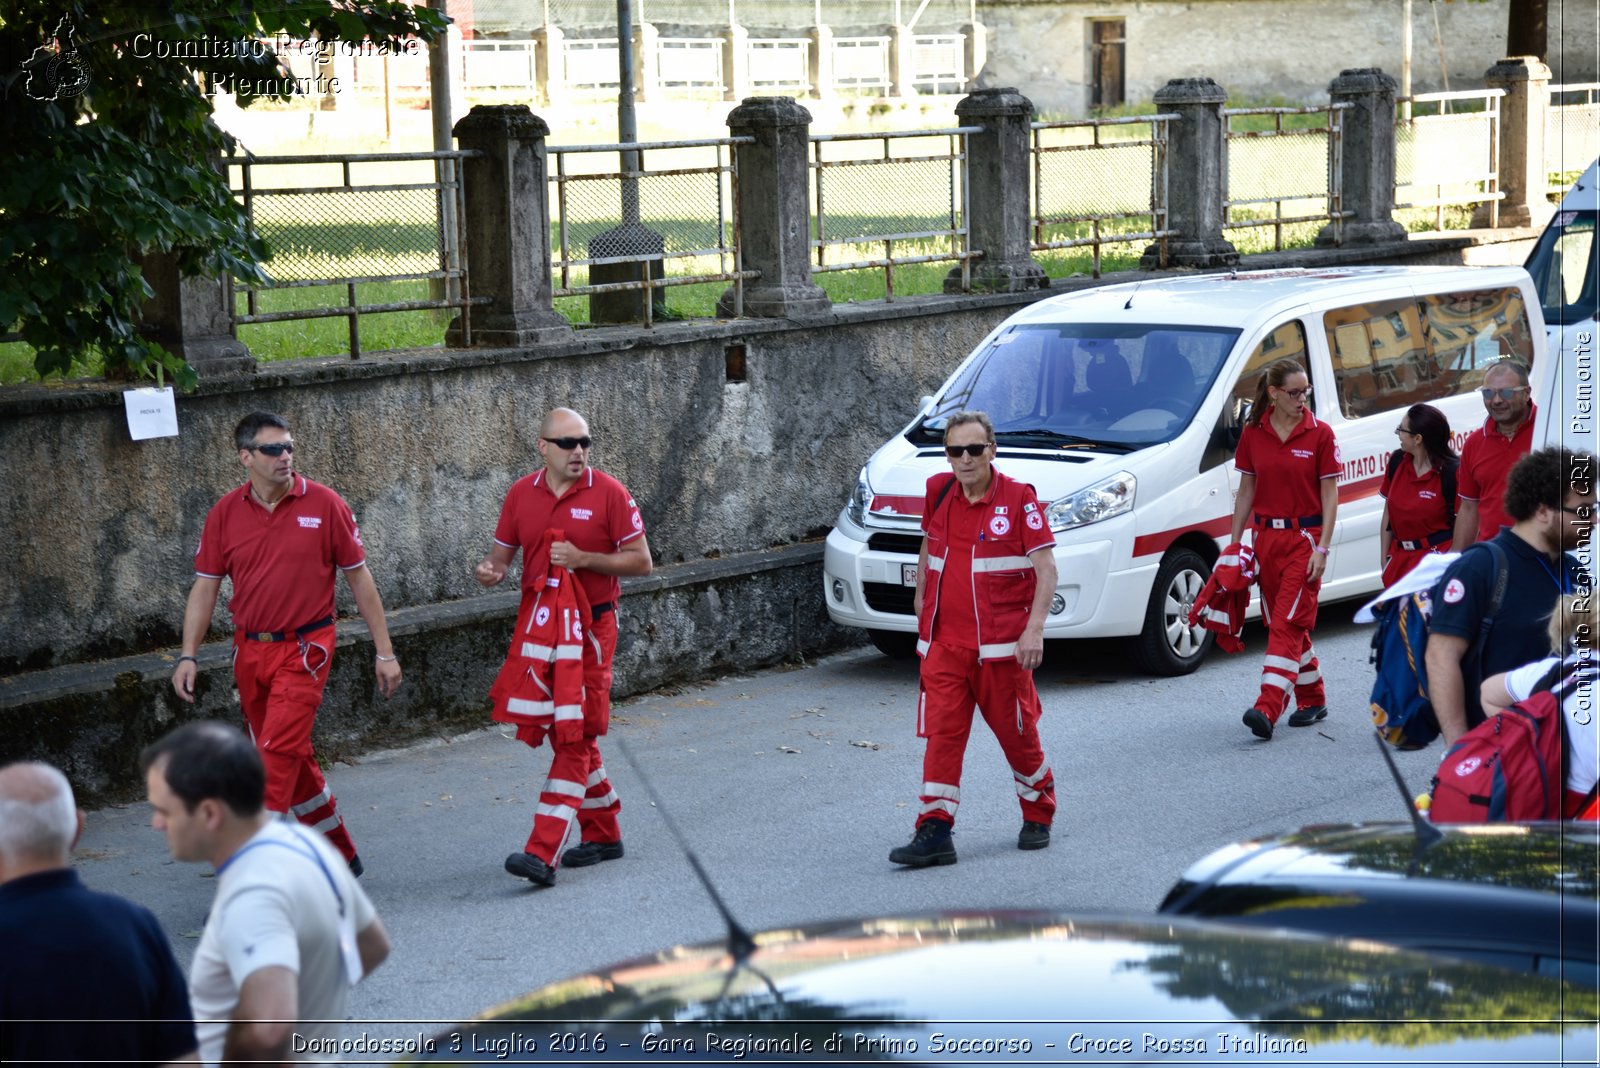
1511	766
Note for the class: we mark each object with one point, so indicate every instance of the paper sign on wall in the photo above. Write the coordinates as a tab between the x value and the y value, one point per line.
152	413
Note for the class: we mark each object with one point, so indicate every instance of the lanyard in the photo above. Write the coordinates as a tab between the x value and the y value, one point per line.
1561	580
309	852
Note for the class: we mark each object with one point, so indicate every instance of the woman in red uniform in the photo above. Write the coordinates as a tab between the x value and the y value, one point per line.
1419	508
1288	466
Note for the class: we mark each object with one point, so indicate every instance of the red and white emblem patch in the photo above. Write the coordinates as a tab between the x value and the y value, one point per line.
999	525
1468	766
1035	521
1454	591
638	521
542	616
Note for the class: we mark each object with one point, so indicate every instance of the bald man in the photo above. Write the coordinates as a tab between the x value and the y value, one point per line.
602	538
73	954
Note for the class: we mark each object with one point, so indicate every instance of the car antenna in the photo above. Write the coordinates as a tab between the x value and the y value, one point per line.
1135	293
1428	835
741	946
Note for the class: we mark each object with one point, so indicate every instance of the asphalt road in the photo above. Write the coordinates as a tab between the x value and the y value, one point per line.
792	786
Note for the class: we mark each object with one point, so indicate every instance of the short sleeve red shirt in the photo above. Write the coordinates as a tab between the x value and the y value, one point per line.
281	562
1289	473
1417	507
1487	457
596	513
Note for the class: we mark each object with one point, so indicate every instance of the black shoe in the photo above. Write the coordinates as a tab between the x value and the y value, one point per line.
587	853
356	867
1033	835
1305	717
529	867
930	846
1259	724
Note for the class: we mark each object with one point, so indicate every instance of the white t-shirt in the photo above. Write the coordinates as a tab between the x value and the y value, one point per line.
285	898
1578	712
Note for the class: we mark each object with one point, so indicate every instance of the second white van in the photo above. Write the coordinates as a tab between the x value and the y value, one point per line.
1122	406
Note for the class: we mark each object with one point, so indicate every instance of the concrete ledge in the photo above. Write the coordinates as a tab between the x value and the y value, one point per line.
682	623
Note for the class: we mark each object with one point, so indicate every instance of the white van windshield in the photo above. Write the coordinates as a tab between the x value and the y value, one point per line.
1085	385
1565	265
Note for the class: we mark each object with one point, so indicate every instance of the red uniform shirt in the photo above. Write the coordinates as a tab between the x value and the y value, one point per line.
1417	506
1288	473
1487	457
282	562
596	512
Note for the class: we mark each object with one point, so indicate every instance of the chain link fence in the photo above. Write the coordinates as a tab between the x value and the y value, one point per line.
1283	171
886	200
764	18
1099	182
1449	155
1572	131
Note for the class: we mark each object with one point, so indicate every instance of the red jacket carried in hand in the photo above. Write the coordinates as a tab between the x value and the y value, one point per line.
540	686
1222	603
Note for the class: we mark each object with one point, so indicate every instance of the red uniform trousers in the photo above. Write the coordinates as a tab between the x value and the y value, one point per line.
578	788
952	683
1289	608
280	686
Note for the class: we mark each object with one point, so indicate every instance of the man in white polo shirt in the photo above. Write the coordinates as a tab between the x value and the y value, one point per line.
290	931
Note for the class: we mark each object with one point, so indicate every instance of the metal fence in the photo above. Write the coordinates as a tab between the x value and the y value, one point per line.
1572	130
381	231
1451	156
1099	182
646	216
924	219
1297	166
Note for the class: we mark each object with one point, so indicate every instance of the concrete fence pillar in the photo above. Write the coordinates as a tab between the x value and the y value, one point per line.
775	210
550	64
1521	159
189	317
975	52
902	65
735	63
1196	185
1367	160
997	193
508	227
820	63
646	63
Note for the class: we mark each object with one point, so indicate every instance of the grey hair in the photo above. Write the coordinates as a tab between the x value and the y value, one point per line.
968	416
40	826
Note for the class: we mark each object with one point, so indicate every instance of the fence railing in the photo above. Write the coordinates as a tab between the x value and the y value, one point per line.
1451	156
1572	130
853	219
646	216
380	230
1099	182
1268	168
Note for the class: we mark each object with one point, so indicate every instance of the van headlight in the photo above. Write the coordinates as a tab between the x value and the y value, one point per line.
1094	503
856	509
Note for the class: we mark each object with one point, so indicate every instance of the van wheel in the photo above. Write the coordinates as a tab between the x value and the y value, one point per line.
1168	645
894	644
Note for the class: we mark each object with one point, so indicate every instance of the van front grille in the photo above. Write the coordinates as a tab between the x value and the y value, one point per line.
884	597
908	544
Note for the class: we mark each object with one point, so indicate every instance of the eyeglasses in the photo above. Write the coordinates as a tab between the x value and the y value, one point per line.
1505	394
276	448
1406	430
954	451
571	443
1582	511
1295	393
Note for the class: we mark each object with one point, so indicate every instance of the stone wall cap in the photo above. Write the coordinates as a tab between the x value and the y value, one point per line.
1191	91
1006	100
1517	69
513	121
769	111
1362	80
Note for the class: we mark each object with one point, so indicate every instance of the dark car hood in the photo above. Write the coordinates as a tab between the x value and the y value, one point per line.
914	987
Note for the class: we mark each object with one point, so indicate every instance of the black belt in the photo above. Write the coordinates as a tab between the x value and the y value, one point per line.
1272	523
285	635
596	611
1438	537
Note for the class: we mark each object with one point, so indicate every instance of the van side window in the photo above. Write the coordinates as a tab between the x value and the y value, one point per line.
1391	354
1284	341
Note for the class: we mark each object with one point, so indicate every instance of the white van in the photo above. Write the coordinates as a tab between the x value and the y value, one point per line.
1565	266
1122	406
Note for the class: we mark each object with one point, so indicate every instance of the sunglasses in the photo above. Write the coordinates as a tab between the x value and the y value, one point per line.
277	448
954	451
571	443
1504	394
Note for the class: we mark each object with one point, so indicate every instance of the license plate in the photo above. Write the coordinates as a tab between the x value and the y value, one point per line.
908	574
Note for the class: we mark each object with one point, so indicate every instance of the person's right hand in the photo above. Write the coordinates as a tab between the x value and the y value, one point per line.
183	679
489	572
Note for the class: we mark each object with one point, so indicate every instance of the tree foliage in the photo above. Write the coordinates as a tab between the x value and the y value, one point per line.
111	150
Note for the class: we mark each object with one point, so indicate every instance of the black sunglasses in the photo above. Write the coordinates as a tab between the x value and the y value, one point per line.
571	443
953	451
277	448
